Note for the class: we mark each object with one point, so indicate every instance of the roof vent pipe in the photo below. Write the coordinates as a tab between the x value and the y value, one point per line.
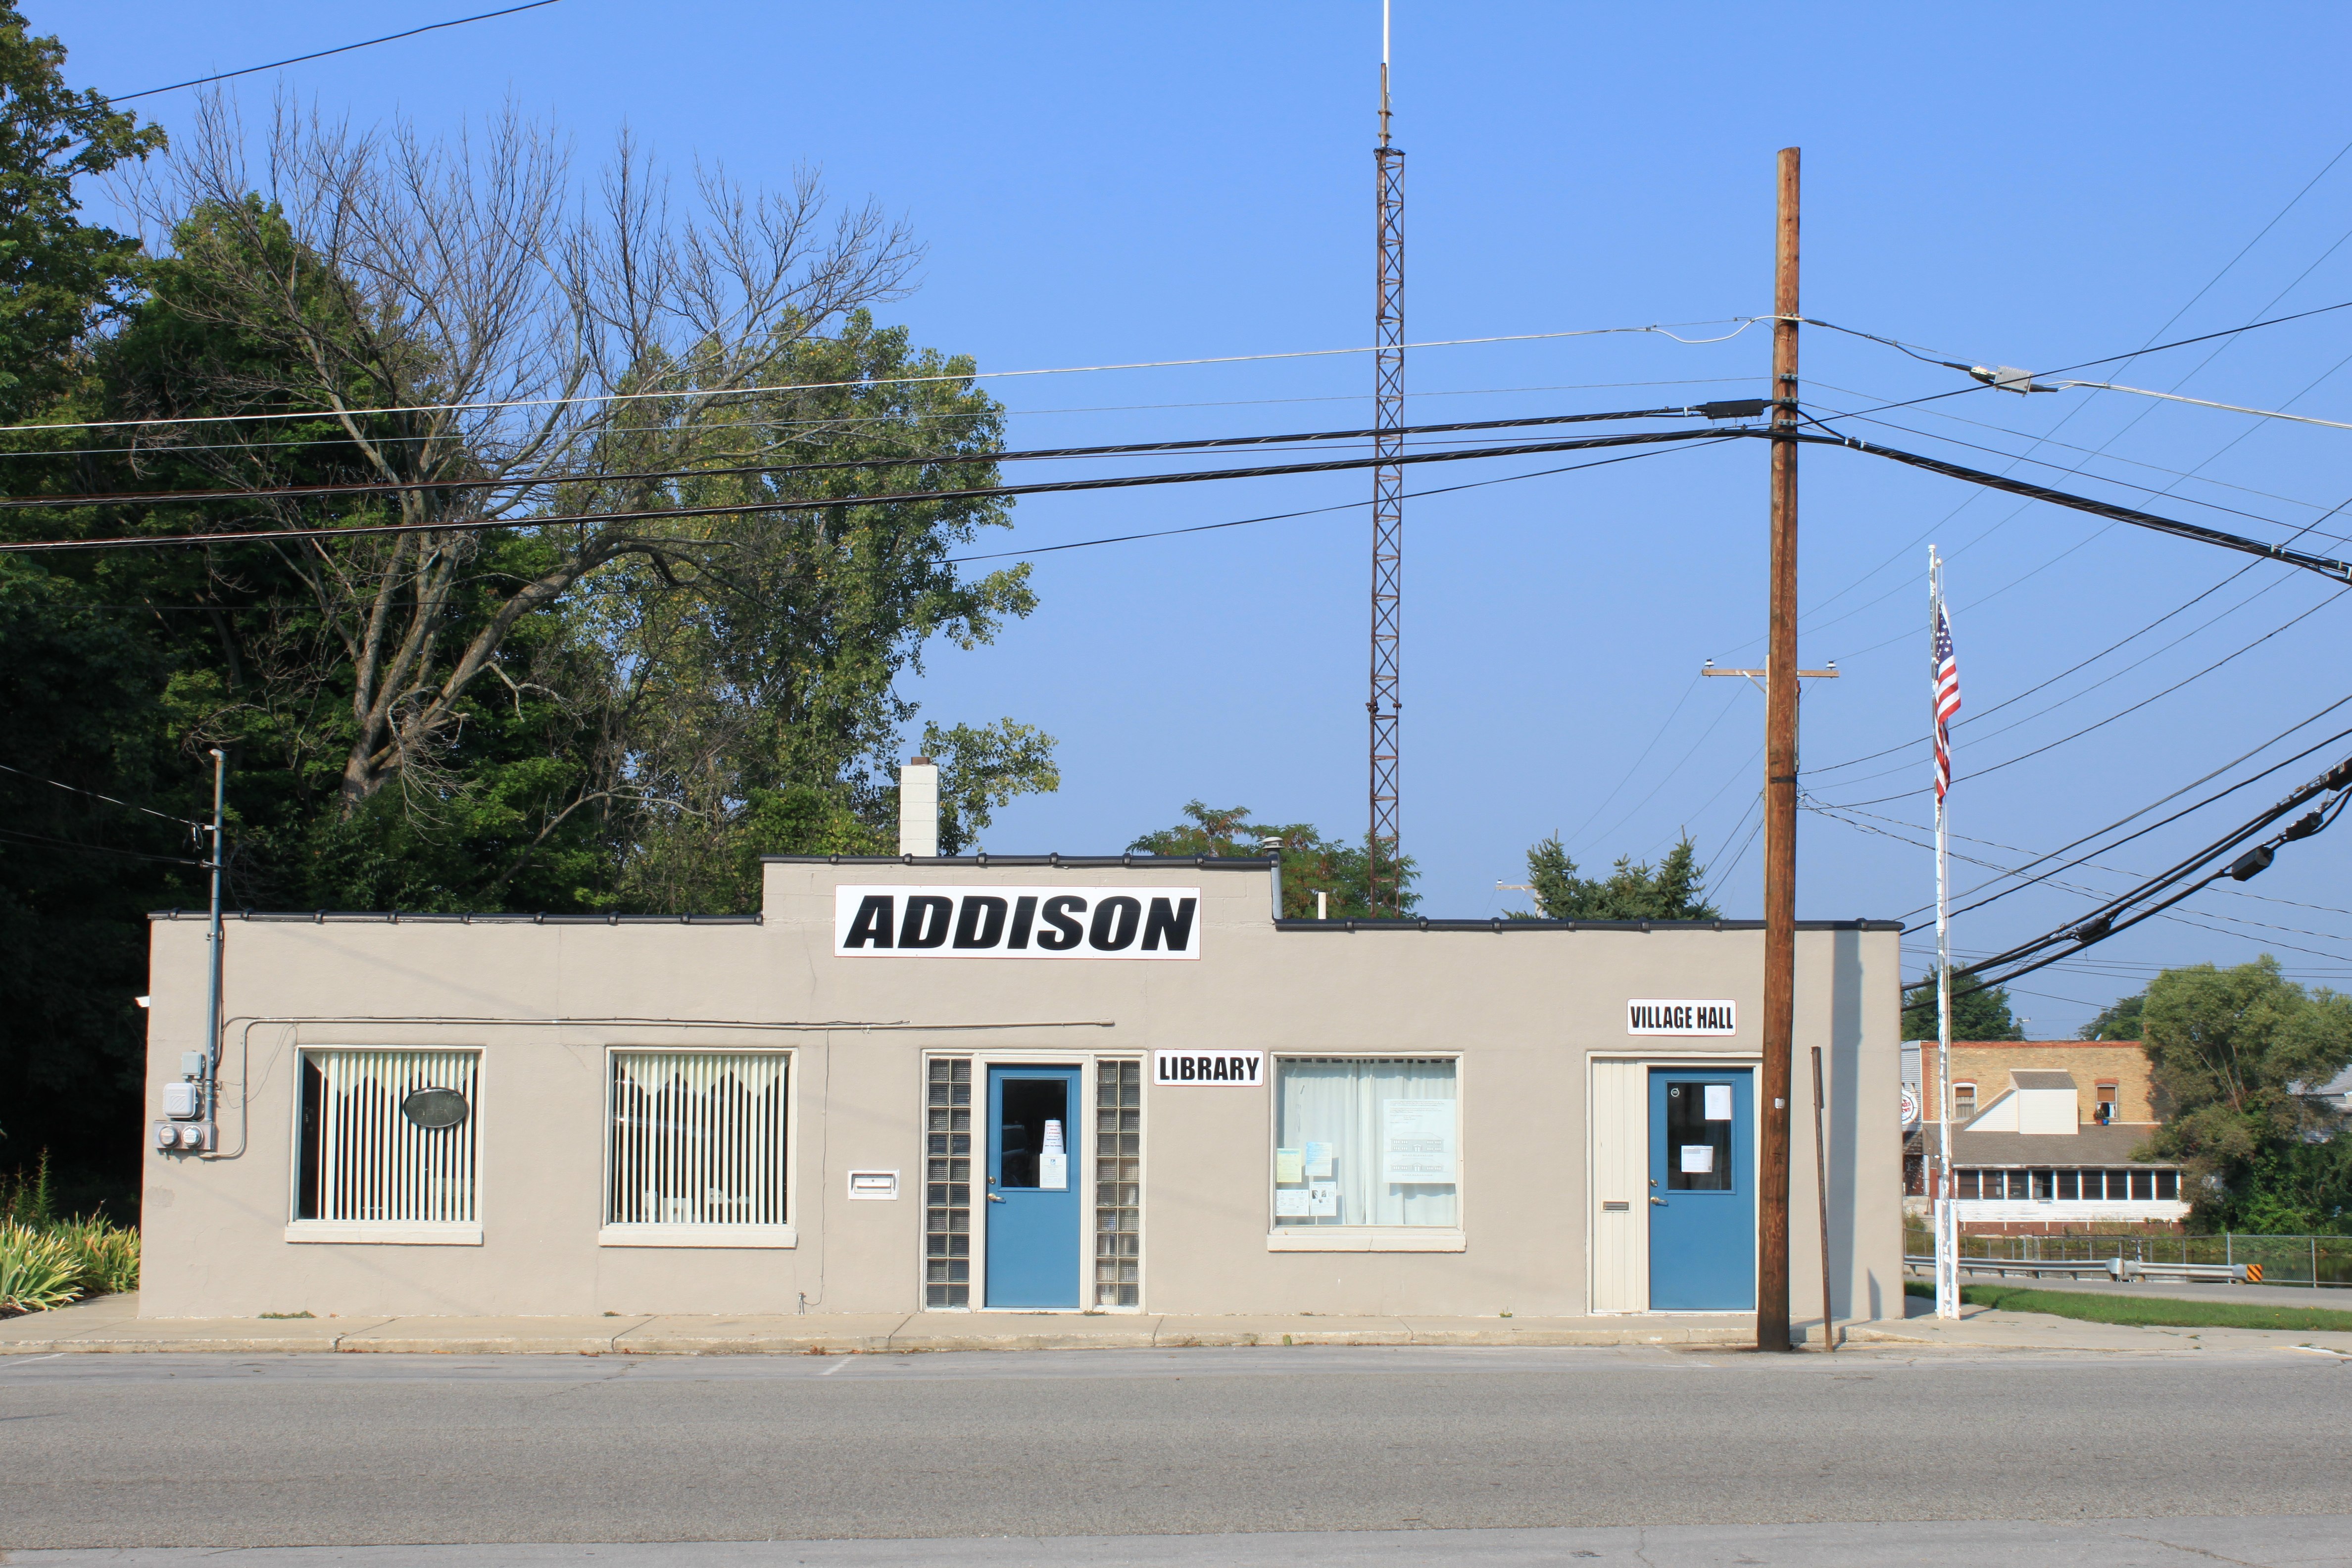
919	808
1272	848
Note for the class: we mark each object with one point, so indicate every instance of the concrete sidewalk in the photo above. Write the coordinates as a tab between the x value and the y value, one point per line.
112	1323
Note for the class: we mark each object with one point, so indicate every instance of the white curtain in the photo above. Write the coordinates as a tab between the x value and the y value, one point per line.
1343	1127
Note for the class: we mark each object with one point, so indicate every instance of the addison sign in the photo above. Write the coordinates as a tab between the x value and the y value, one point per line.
1157	923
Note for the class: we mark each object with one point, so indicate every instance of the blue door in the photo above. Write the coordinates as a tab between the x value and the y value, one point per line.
1701	1190
1034	1187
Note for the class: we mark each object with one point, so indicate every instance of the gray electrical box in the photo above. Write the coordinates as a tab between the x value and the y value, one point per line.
182	1101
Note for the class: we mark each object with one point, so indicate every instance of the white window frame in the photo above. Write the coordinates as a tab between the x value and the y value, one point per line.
1454	1238
769	1237
386	1232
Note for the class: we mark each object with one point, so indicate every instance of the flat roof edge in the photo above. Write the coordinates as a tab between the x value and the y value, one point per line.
1503	923
1064	862
407	917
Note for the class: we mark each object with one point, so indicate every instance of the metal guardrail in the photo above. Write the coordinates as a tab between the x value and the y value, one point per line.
2007	1268
2322	1262
2114	1269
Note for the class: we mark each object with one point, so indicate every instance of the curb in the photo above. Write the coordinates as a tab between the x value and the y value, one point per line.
624	1343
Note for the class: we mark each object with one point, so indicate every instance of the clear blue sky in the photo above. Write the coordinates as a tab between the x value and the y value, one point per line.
2021	184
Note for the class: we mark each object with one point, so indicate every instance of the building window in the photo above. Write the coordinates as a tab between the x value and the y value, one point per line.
1366	1143
2105	1108
2044	1184
1118	1184
946	1184
2070	1186
697	1139
2168	1186
388	1138
1964	1100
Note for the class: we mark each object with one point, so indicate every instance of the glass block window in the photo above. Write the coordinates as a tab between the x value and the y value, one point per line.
1118	1184
946	1184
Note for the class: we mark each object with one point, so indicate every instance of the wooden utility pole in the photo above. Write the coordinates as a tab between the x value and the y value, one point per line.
1780	686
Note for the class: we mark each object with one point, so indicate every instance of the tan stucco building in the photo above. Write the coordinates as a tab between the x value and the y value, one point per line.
1035	1084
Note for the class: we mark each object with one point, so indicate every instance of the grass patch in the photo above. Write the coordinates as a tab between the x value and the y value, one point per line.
2142	1312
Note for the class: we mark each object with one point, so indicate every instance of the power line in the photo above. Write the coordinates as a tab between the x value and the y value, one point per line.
99	848
839	420
2161	800
1986	735
2122	713
76	789
322	54
1310	511
1742	408
490	406
2110	919
2325	566
982	492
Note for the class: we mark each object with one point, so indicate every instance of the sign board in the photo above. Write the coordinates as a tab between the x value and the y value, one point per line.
1650	1016
1209	1070
1417	1141
1016	922
1910	1107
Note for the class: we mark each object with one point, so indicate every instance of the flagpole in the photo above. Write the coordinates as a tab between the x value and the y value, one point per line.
1947	1237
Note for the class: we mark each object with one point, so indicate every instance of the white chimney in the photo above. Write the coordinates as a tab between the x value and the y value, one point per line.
919	807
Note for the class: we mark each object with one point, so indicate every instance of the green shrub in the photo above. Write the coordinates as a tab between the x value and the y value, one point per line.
105	1254
39	1270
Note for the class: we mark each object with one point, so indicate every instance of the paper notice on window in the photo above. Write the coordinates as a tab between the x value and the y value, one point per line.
1318	1162
1323	1200
1718	1101
1291	1204
1417	1141
1289	1167
1698	1158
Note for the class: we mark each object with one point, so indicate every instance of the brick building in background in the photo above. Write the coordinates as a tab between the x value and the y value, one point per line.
2042	1137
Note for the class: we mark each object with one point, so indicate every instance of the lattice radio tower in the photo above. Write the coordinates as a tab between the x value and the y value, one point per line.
1387	510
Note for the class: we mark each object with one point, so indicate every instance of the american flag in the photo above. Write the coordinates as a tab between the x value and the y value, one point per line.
1947	700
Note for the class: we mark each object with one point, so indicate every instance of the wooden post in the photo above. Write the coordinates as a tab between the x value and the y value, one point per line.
1822	1191
1779	796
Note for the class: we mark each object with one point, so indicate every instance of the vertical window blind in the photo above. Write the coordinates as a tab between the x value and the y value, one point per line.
364	1160
697	1138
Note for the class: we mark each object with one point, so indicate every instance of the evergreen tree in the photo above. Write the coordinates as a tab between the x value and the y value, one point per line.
1676	890
1979	1012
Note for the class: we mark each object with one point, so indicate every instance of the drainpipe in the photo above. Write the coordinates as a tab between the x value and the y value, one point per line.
1273	849
213	946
